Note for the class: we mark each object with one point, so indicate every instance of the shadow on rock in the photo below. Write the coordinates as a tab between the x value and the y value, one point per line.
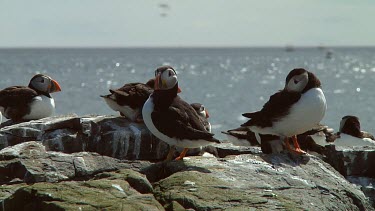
161	170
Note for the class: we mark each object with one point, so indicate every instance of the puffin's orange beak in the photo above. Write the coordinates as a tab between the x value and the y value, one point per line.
55	87
157	81
178	90
207	115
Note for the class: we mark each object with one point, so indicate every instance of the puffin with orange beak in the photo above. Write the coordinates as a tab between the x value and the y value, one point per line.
20	103
170	118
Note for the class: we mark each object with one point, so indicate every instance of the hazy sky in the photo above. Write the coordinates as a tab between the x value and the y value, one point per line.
130	23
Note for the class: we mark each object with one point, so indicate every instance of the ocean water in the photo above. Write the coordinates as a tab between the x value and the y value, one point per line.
228	81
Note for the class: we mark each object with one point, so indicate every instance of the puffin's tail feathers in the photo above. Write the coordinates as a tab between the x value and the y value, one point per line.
249	115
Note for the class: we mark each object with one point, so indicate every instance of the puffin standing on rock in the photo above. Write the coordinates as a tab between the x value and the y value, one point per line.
170	118
299	107
20	103
129	99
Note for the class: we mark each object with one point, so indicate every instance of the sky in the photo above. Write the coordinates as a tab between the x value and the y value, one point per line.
186	23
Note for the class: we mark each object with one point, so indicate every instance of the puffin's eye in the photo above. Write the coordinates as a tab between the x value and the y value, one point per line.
42	80
169	73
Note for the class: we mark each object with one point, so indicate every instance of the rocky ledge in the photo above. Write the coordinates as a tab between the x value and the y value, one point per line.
98	163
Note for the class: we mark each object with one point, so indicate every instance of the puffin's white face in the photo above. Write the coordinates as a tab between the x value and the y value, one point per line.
342	123
349	123
203	112
297	83
165	79
44	83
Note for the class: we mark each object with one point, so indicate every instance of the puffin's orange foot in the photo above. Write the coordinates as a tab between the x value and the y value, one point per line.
299	151
296	149
172	149
182	155
139	120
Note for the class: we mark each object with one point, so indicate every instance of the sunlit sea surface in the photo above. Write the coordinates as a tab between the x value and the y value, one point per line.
228	81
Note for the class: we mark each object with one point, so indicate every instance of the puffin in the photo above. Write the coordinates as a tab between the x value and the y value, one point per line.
129	99
297	108
242	136
170	118
203	115
350	133
22	103
310	140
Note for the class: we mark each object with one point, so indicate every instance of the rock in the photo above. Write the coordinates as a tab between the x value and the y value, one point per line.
265	182
352	161
86	180
367	186
105	193
107	135
65	162
30	163
356	164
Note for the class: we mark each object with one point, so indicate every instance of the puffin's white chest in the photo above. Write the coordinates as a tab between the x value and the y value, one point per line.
305	114
41	107
130	113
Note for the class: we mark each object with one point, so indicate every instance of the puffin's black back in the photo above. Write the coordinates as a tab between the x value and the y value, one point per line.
277	106
132	94
15	100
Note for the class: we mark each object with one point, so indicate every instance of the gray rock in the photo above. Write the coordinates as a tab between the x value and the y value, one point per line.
107	135
70	149
366	184
60	181
113	192
265	182
352	161
30	163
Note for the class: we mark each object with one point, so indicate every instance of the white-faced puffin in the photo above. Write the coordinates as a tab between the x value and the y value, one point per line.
203	115
31	102
350	133
129	99
170	118
299	107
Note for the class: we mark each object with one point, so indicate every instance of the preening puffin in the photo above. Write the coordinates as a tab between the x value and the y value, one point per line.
299	107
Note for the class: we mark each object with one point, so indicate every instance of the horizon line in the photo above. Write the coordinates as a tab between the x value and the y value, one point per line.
187	47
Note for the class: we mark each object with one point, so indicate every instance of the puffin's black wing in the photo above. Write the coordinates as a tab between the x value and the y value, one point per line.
132	94
277	106
16	96
181	121
15	99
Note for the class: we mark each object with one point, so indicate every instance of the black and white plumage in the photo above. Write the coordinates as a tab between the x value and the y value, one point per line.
242	136
34	101
129	99
350	133
170	118
203	115
299	107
